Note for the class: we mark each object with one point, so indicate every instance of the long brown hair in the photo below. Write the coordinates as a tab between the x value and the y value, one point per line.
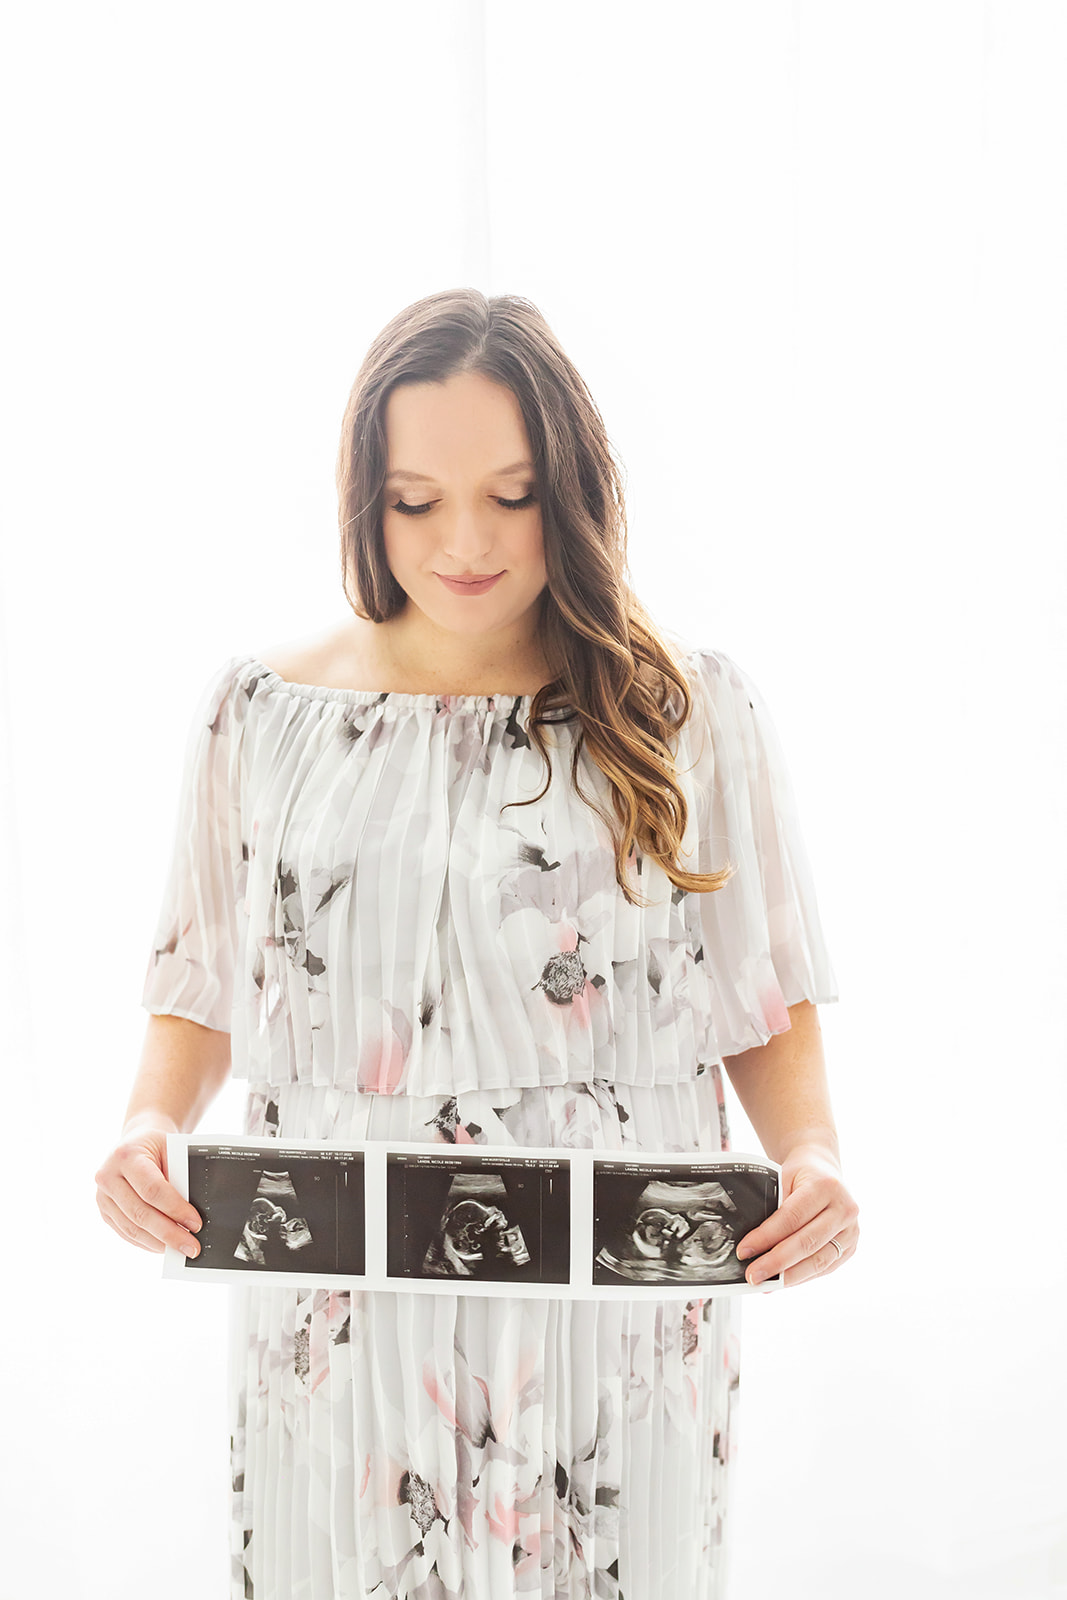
613	669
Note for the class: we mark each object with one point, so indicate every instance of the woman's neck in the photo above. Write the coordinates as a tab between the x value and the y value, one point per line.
408	655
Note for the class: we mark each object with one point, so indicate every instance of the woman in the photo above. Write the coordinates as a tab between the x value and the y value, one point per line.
491	863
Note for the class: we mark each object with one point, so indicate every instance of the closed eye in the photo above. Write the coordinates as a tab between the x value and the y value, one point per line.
419	511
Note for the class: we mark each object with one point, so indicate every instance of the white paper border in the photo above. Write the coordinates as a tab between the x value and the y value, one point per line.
375	1154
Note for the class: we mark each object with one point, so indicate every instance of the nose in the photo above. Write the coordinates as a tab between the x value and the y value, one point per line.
467	539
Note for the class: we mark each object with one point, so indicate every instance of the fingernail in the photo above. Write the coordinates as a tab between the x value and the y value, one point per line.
192	1248
743	1253
754	1275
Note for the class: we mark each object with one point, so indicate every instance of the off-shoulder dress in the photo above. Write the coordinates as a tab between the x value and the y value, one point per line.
397	953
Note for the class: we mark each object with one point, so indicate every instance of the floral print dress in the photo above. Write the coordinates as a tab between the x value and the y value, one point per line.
398	952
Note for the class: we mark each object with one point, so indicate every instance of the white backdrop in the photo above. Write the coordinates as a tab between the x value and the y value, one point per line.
810	259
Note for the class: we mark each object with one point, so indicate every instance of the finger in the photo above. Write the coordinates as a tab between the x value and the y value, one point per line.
802	1205
146	1179
796	1248
146	1219
795	1213
126	1229
823	1259
820	1265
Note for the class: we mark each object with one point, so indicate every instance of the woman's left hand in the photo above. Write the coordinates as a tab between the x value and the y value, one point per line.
795	1239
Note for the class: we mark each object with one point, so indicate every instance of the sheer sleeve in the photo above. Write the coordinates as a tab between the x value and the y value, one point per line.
191	965
762	934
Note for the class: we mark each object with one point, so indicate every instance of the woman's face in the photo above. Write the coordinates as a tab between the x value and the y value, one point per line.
467	442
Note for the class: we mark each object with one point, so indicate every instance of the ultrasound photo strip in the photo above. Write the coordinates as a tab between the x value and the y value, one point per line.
473	1219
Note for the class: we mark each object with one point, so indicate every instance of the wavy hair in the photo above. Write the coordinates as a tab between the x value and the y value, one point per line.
613	670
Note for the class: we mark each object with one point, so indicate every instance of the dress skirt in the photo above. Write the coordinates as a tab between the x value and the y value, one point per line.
462	1447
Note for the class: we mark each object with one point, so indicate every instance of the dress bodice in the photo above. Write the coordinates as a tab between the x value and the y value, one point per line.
354	895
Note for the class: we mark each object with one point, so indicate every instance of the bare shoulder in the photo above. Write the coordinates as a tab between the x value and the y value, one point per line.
333	658
295	660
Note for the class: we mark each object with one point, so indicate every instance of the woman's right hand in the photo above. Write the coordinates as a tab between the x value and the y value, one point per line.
137	1200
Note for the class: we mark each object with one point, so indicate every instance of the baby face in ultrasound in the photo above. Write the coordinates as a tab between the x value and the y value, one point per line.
684	1224
263	1217
691	1238
268	1224
473	1237
474	1228
671	1231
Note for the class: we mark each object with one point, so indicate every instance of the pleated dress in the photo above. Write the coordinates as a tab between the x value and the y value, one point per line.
399	953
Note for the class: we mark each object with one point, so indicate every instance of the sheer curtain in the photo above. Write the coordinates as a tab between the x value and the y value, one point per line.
810	259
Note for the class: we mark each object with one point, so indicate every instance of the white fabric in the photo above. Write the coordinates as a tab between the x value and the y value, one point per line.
419	973
398	957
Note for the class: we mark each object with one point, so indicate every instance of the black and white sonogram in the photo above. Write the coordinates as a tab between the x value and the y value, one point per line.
464	1216
653	1225
274	1209
273	1220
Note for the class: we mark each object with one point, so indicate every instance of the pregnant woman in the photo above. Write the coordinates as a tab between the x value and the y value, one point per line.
498	861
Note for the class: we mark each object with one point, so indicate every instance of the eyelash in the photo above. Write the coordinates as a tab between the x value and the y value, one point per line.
420	511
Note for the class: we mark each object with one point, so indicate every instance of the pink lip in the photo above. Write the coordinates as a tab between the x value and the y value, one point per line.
469	586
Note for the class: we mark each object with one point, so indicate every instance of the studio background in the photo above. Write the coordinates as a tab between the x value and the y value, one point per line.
810	260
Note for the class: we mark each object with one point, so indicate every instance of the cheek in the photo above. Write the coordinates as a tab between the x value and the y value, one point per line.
533	546
402	545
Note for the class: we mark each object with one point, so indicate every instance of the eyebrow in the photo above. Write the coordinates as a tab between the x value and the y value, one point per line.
420	477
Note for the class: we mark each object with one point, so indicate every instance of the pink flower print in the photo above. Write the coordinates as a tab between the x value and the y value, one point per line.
382	1059
381	1065
438	1393
319	1342
504	1520
524	1371
505	1524
772	1004
382	1478
450	1130
469	1410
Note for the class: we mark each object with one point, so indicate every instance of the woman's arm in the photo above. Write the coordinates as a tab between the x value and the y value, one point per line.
783	1089
782	1086
183	1067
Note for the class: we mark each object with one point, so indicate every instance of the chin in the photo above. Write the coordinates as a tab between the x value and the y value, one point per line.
486	622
